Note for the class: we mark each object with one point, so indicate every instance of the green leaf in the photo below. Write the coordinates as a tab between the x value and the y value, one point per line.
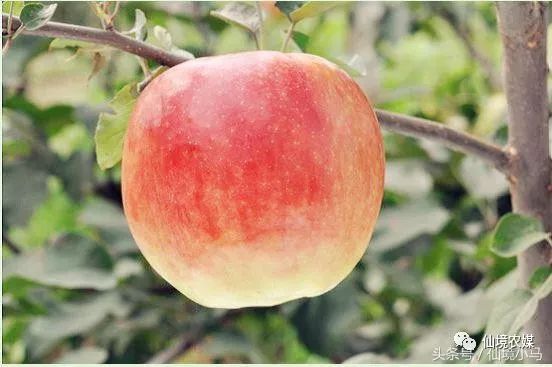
239	14
288	7
419	181
311	9
369	358
514	233
354	65
165	41
17	7
70	139
139	29
163	36
300	39
126	268
513	311
55	215
324	322
29	183
299	10
77	317
74	262
111	128
482	180
398	225
539	276
35	15
92	355
109	220
508	313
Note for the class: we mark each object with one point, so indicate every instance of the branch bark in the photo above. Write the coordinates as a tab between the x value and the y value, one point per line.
99	36
394	122
454	139
523	27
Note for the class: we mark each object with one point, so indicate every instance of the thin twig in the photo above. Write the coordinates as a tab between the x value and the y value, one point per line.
112	15
288	37
260	31
193	337
10	244
394	122
10	33
144	83
487	65
454	139
144	66
256	39
95	35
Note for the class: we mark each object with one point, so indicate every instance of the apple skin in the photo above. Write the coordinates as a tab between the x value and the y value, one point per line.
252	179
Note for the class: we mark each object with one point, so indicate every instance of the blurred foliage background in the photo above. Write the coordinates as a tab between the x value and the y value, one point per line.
75	287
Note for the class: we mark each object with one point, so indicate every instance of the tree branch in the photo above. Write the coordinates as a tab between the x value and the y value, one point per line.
398	123
454	139
194	336
94	35
6	241
523	27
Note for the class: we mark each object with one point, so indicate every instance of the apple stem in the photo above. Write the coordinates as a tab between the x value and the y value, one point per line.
288	37
260	35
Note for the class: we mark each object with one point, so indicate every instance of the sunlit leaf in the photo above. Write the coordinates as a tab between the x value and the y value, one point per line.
126	268
77	317
354	65
288	7
368	358
396	226
70	139
35	15
512	312
92	355
139	29
163	36
111	128
109	220
17	7
239	14
311	9
419	180
165	40
73	262
514	233
482	180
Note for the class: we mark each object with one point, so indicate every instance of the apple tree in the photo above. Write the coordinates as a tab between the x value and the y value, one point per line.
462	241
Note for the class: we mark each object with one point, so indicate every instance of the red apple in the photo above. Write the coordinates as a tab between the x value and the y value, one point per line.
253	179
